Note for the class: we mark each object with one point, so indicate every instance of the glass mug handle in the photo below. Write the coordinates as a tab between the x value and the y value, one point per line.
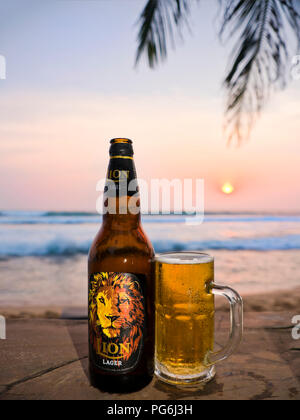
236	324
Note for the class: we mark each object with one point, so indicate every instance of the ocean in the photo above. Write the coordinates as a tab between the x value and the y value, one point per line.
43	255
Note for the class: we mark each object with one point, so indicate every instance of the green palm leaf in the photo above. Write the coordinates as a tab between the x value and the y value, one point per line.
261	57
158	21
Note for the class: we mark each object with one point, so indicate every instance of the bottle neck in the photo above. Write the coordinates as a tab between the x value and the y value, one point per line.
121	196
122	221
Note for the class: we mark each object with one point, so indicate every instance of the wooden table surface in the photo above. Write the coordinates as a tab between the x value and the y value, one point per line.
47	359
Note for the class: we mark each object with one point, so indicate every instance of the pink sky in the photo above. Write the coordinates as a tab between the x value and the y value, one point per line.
52	158
72	86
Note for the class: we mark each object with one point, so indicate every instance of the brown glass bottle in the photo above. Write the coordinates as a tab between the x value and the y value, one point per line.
121	284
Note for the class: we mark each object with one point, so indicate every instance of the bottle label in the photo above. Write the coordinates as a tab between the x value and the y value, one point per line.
121	176
117	320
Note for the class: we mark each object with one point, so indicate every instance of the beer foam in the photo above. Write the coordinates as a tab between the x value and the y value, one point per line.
184	258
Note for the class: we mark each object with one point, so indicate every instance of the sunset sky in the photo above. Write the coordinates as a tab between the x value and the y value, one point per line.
72	86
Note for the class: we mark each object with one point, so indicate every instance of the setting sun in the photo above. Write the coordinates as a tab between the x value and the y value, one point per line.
227	188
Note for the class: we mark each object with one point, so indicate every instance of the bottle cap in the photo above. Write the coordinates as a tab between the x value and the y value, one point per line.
121	147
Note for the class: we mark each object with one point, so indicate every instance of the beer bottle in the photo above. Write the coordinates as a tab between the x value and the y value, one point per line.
121	285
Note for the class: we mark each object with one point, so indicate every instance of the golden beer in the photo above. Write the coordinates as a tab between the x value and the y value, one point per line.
185	313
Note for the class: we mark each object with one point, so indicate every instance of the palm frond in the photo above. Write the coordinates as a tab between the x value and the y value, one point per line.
261	56
158	21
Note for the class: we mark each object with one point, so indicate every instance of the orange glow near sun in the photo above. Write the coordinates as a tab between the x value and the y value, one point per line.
228	188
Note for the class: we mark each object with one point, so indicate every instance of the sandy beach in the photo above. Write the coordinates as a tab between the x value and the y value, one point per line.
273	302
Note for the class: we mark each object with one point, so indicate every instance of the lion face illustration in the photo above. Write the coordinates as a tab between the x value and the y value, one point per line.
117	309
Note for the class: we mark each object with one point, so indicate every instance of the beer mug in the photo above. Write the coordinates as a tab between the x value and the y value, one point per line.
185	312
